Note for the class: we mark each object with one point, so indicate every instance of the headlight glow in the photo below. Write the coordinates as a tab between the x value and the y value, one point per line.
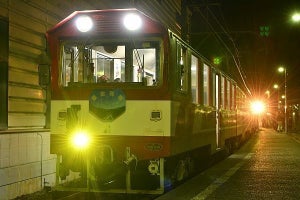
84	23
80	140
132	22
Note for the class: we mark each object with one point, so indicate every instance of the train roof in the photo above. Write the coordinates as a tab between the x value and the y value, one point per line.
105	22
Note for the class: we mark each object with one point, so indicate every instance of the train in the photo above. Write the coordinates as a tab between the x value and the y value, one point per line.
134	108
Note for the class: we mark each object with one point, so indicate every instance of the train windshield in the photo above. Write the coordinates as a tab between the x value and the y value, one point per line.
104	63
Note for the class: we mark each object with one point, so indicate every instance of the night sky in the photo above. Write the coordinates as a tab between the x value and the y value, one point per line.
232	27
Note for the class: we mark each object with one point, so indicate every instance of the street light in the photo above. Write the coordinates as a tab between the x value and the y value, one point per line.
268	93
296	17
283	70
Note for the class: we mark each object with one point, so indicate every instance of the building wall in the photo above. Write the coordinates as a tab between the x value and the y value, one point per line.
20	163
25	160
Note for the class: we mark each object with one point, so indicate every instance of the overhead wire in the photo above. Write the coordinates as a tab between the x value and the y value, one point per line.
237	51
235	58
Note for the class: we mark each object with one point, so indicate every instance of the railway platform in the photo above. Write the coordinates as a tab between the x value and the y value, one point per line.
266	167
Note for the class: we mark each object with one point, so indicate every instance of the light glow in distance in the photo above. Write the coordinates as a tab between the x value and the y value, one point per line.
84	23
257	107
296	17
132	22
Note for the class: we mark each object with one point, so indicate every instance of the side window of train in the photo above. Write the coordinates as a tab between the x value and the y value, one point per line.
228	94
214	88
233	97
4	73
222	92
110	63
206	84
238	98
182	67
194	79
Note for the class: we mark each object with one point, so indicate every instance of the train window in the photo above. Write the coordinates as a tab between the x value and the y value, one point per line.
215	89
228	99
239	99
144	66
194	79
223	91
181	60
205	85
92	64
233	93
110	63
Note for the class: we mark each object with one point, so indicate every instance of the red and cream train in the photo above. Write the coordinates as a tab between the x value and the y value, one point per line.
135	109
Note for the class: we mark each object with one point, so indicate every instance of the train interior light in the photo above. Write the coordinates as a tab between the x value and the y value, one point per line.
84	23
132	22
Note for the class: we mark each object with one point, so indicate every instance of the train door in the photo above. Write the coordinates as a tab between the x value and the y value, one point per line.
217	110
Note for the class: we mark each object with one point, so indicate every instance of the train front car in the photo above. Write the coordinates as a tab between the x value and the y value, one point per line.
110	117
134	108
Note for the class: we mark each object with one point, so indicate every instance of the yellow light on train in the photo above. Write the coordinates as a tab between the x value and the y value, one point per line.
84	23
80	140
132	22
257	107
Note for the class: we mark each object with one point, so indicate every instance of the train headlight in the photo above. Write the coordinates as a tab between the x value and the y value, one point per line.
132	22
84	23
80	140
257	107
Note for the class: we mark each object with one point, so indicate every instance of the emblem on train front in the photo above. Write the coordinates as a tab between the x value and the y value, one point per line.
107	104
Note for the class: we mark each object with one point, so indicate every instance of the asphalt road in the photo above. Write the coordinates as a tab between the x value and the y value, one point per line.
266	167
